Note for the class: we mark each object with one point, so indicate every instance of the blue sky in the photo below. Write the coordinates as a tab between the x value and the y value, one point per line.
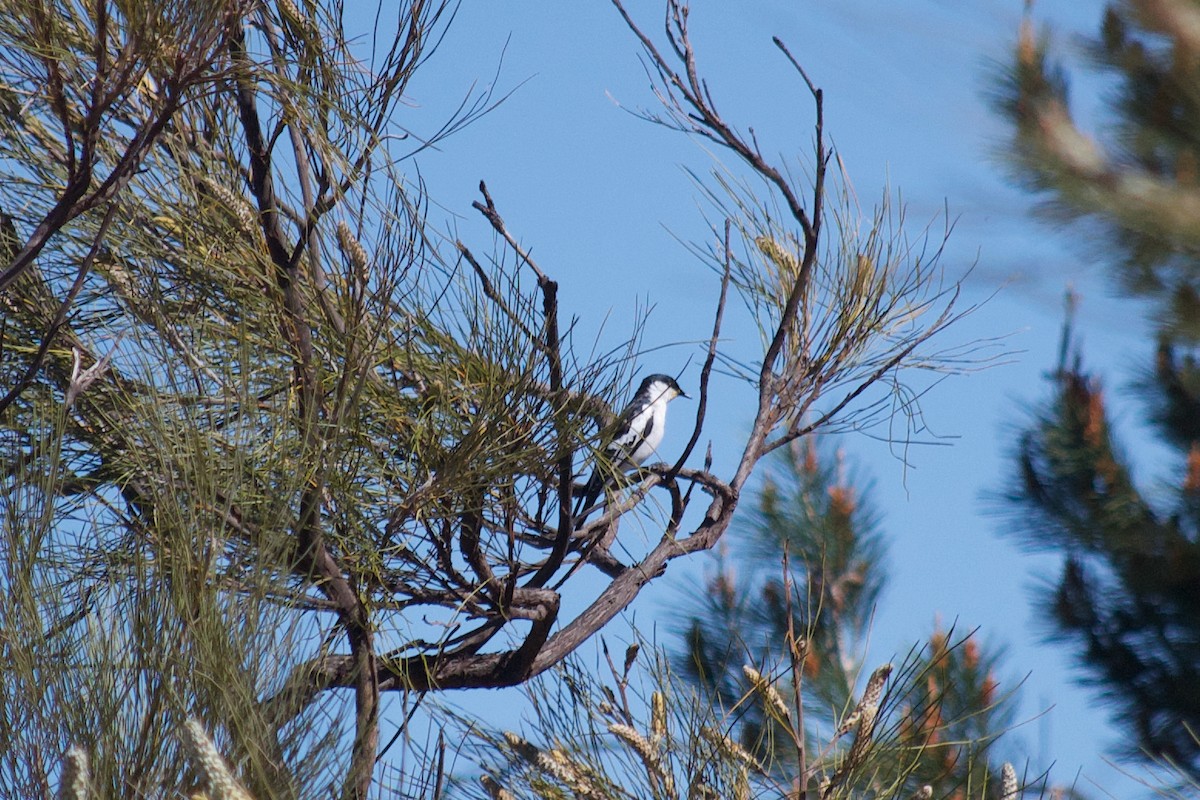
603	199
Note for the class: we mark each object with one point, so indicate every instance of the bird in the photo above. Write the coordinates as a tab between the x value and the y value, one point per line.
639	432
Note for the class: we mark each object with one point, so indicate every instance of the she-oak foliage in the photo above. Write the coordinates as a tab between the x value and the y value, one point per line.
768	697
276	453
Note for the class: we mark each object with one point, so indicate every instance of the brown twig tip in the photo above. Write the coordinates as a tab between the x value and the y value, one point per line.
1026	42
631	653
76	776
812	88
1008	782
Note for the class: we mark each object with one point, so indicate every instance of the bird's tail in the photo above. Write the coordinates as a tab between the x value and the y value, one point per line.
591	493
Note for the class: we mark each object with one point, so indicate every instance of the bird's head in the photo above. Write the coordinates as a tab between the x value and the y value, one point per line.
658	386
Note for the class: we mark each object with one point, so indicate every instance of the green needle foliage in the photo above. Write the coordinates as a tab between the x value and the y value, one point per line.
808	513
1125	599
777	639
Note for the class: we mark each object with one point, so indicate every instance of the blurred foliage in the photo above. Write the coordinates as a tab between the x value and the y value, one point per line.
794	596
1126	598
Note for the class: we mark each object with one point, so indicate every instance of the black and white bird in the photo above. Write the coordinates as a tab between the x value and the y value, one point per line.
639	432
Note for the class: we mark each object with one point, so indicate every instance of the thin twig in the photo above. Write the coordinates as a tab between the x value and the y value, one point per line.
60	316
550	345
710	359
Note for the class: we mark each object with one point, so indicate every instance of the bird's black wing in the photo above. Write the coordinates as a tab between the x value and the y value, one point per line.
620	452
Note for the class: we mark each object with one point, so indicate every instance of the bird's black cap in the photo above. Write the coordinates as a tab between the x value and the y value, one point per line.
658	377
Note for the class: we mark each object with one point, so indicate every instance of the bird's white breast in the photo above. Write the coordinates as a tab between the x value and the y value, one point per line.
656	415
